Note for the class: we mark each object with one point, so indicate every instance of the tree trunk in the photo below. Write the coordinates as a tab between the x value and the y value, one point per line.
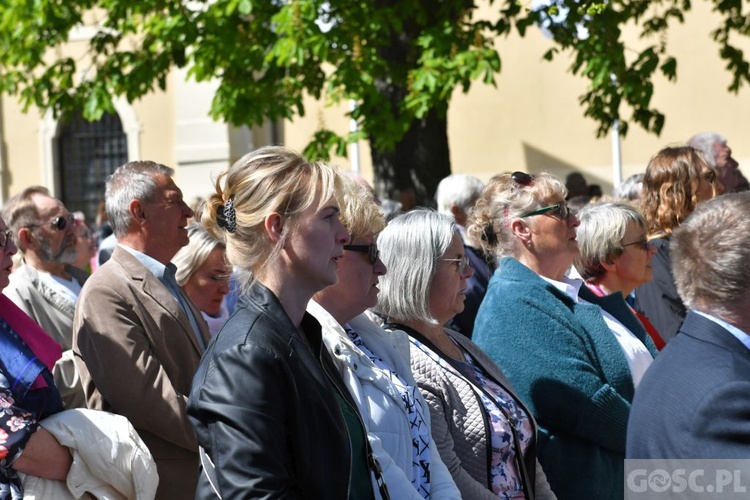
420	160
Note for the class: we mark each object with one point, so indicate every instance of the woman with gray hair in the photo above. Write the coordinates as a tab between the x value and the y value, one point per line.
484	433
552	335
203	272
615	258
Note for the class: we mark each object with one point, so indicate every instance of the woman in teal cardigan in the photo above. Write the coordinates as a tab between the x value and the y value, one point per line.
552	337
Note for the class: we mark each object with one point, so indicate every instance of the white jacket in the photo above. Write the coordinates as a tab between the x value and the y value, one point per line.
109	459
379	403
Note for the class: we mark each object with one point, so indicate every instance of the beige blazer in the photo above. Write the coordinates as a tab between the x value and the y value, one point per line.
137	353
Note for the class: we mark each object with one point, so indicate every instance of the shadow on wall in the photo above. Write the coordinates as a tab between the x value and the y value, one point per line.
540	161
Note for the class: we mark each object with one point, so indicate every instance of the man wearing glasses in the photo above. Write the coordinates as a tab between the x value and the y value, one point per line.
46	285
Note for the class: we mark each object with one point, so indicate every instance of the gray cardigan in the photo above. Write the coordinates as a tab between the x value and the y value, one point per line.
459	422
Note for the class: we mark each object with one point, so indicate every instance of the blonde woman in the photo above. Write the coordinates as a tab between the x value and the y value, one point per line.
203	273
270	412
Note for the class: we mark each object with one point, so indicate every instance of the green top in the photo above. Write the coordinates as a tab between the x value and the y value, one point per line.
360	486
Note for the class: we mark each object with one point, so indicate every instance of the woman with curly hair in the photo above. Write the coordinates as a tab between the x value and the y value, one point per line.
677	179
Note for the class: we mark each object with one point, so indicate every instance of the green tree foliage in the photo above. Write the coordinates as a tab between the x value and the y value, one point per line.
400	61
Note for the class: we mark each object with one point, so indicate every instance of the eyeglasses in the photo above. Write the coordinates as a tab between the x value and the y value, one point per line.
522	178
371	250
60	222
5	237
561	208
645	245
463	263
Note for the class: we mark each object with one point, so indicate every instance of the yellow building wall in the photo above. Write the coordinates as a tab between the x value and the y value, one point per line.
533	120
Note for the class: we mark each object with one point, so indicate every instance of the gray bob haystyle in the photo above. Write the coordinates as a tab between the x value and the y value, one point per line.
603	226
710	253
136	180
410	247
192	256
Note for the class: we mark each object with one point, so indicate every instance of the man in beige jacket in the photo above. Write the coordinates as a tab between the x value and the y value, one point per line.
138	337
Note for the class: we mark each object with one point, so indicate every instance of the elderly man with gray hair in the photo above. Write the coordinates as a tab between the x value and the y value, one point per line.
694	401
455	197
138	337
718	155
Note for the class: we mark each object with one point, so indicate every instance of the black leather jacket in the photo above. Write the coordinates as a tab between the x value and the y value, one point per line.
265	411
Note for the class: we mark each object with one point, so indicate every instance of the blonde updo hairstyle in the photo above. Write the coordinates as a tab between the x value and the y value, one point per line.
272	179
504	200
670	186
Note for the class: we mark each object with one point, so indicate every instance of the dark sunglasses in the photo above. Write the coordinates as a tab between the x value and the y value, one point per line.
371	250
561	208
644	244
522	178
5	237
60	222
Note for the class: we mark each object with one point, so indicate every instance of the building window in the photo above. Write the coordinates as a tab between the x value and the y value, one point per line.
88	153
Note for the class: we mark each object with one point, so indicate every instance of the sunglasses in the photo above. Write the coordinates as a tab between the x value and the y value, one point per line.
5	237
371	250
644	244
463	263
561	209
60	222
522	178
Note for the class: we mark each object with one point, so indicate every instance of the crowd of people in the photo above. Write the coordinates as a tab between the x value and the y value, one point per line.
284	339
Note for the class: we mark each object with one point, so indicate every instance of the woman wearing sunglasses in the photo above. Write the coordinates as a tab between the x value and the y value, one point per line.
484	433
377	375
550	336
615	258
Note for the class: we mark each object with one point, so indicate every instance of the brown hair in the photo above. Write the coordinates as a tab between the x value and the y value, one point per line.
669	188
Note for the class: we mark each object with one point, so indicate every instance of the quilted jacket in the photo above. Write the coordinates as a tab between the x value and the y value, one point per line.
460	425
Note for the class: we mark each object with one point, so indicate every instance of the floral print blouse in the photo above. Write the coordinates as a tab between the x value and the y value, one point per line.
505	416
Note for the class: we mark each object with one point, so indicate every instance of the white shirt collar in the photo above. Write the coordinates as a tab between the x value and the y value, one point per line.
736	332
568	286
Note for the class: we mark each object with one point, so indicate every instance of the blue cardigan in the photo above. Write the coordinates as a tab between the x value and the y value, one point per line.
567	366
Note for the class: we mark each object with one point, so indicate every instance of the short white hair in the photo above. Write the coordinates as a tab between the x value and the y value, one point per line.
600	234
704	143
460	190
410	247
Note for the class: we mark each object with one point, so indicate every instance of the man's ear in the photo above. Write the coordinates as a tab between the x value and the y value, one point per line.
137	213
23	238
274	226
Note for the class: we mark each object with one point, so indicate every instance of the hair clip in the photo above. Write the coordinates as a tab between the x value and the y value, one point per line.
226	216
